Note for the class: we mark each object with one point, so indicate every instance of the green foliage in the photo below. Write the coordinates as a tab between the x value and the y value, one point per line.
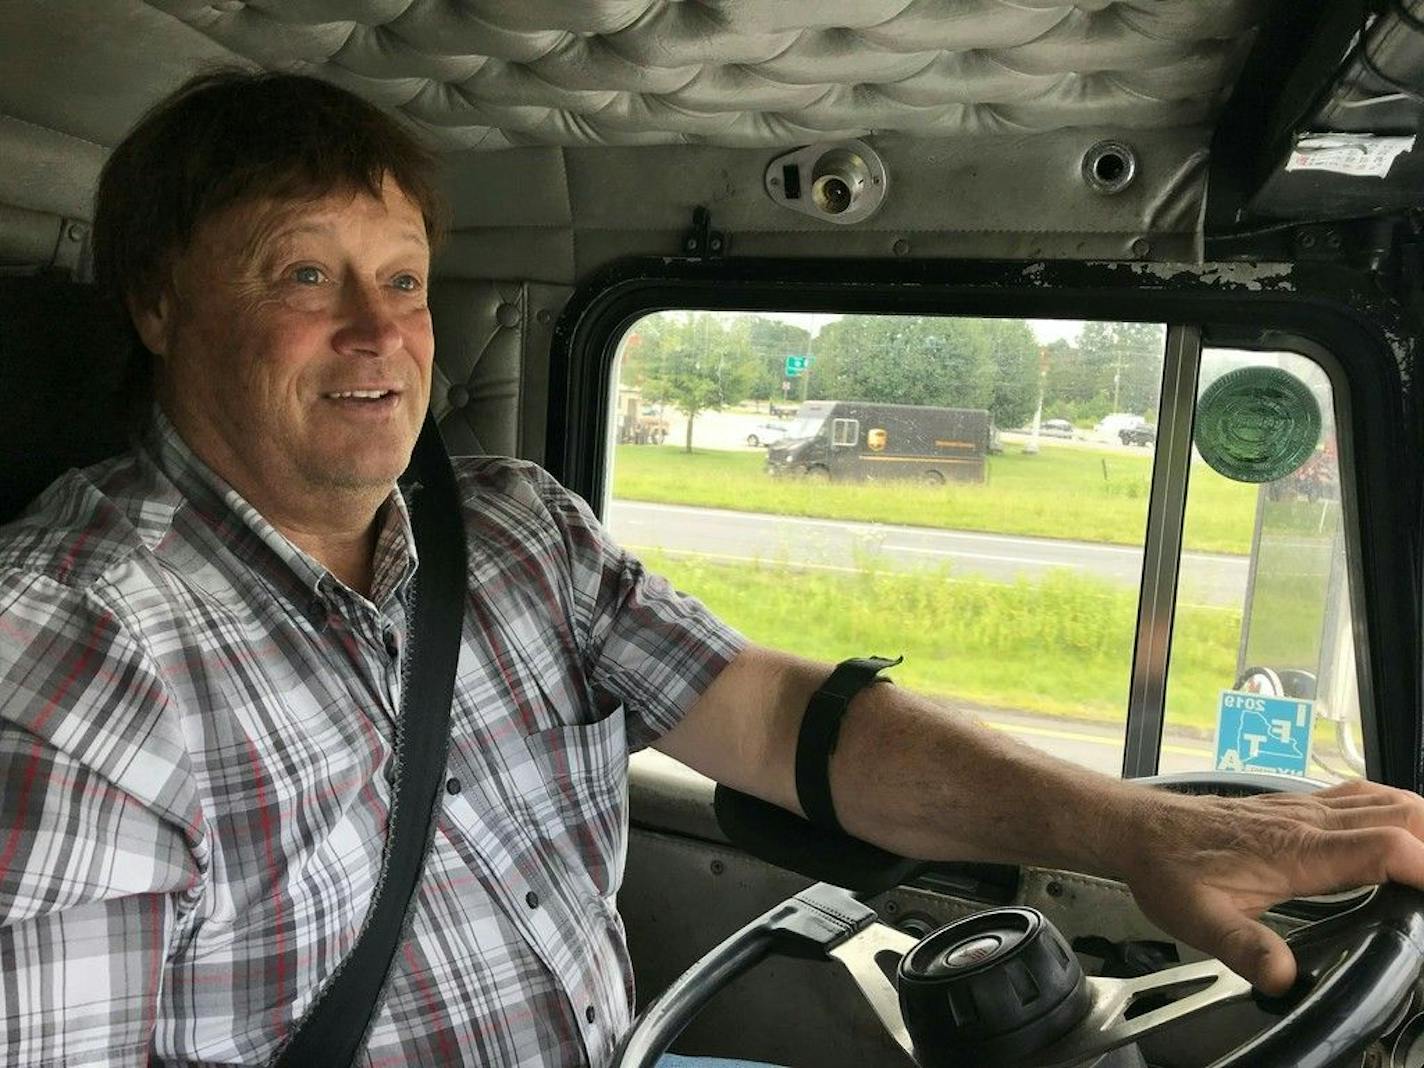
766	344
1115	367
940	361
691	361
1062	645
708	360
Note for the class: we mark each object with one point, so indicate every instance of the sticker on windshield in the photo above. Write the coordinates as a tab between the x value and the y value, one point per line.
1268	734
1363	155
1257	424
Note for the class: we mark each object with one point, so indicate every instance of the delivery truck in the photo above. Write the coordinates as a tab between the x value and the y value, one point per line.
867	440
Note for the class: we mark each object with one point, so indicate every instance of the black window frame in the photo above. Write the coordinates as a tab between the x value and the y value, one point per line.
1323	307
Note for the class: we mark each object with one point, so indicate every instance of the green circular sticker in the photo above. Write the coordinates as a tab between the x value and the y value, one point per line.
1257	424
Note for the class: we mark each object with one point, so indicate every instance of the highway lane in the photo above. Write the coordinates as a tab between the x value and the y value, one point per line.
834	545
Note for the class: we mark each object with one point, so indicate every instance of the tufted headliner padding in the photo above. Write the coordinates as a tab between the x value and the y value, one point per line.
665	104
750	72
485	394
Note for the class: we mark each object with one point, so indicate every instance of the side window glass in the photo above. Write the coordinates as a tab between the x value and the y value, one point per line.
1264	587
972	493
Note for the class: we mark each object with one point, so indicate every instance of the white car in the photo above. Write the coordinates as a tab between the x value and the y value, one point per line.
767	434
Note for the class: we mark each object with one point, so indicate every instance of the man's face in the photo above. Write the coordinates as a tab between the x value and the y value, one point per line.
295	347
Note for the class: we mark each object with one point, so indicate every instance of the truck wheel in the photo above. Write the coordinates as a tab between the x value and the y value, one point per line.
932	478
818	473
753	441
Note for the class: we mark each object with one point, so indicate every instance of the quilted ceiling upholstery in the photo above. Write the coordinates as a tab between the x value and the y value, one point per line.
615	118
493	73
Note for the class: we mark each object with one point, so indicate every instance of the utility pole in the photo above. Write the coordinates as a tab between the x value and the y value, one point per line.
1031	446
1117	373
806	371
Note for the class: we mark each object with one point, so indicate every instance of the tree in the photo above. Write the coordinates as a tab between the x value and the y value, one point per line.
693	364
929	360
1016	355
766	343
1118	366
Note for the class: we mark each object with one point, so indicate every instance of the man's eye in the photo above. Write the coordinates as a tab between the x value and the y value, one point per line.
408	282
307	276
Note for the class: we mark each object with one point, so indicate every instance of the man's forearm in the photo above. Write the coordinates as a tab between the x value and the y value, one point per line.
907	774
925	781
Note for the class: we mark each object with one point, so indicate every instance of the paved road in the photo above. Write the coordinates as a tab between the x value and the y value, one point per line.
1207	579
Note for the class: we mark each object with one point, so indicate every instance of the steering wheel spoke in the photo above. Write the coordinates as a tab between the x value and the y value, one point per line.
864	956
1194	987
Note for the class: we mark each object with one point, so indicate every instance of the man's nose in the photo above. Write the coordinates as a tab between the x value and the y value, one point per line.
369	326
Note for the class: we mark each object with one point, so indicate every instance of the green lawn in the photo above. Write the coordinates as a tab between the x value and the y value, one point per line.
1072	493
1061	646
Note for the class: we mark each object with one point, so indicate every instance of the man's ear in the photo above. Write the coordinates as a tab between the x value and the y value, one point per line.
152	317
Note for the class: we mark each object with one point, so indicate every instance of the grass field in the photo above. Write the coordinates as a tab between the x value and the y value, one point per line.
1062	646
1071	493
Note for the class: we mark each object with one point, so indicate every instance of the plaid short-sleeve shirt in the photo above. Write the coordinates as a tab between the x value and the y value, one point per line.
196	726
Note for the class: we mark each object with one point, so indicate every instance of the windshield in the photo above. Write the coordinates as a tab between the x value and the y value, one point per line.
806	426
1008	569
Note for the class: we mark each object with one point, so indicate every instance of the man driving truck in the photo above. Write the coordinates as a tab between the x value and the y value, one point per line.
203	645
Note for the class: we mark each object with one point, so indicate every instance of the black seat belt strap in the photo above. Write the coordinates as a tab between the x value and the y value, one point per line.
334	1028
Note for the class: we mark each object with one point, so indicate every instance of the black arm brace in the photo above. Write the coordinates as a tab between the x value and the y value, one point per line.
820	730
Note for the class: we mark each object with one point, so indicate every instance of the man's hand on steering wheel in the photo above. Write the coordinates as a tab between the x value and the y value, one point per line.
1211	866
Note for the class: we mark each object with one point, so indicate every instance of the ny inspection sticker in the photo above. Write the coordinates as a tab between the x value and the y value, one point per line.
1258	733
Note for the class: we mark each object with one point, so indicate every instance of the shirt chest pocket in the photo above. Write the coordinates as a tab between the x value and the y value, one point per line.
585	769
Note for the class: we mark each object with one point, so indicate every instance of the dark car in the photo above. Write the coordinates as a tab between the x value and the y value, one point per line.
1146	434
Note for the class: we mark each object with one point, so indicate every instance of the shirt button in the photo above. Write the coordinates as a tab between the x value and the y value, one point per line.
589	1014
452	785
531	899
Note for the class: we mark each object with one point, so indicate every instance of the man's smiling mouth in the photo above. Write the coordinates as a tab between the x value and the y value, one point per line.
360	394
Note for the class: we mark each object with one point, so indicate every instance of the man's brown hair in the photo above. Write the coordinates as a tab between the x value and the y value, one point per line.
233	136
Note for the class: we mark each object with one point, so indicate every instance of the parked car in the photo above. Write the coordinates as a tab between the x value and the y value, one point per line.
767	434
1056	428
1146	434
1111	426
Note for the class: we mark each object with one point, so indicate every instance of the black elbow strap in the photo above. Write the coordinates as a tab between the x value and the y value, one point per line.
821	728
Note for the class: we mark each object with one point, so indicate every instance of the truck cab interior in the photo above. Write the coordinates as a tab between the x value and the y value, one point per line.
675	223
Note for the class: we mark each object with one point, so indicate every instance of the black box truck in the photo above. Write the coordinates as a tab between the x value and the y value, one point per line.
864	440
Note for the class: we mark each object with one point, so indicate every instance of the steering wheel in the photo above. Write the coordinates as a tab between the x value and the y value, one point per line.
1002	989
1030	1006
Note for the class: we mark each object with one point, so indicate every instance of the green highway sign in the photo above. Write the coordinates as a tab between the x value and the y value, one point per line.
797	365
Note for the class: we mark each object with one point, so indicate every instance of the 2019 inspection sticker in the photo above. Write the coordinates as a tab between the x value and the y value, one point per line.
1265	734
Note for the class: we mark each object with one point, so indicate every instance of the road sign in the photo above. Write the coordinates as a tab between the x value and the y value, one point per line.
796	365
1258	733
